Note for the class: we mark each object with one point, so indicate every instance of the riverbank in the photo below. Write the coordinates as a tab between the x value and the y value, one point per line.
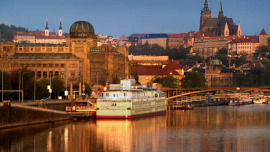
14	115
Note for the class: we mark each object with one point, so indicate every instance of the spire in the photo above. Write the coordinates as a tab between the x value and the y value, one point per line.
226	30
47	27
239	30
206	8
60	26
220	13
263	32
47	33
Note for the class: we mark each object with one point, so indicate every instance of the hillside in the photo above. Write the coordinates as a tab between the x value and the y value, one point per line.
7	31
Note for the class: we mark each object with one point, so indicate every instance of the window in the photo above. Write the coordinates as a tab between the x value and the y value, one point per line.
44	65
107	94
62	65
50	65
125	94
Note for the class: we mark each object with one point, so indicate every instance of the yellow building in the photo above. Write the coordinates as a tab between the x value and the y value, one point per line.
78	60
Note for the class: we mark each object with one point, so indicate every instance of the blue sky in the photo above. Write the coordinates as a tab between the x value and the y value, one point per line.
123	17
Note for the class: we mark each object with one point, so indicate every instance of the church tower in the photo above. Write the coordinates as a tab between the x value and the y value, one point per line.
220	13
47	33
239	30
226	30
205	13
60	31
263	38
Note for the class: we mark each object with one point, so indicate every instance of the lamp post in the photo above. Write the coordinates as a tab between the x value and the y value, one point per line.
19	85
50	90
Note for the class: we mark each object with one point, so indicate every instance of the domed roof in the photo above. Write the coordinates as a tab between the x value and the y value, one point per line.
81	29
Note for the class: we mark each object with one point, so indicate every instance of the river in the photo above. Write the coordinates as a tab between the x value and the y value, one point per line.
221	128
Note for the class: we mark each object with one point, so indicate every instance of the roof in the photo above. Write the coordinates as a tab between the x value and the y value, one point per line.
40	35
169	69
263	32
43	56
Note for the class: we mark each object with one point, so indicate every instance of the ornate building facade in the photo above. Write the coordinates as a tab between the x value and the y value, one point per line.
79	59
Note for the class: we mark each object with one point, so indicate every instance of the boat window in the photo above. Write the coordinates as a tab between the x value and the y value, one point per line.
113	95
107	94
125	94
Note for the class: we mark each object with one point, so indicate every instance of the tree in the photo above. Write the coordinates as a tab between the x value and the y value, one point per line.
167	82
263	50
6	85
58	85
41	87
194	80
136	77
222	55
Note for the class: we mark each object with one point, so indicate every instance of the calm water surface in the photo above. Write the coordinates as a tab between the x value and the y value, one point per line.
223	128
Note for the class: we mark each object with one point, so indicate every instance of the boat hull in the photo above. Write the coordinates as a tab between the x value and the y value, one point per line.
130	109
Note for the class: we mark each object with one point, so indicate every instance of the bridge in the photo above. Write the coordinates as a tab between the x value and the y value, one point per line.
174	93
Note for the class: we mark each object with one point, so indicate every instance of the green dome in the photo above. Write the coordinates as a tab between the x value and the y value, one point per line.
82	29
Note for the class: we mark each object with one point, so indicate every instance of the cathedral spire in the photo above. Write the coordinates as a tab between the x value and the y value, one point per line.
220	13
60	25
60	31
46	27
47	32
206	8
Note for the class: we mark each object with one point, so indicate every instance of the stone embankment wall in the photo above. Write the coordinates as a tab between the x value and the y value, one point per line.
18	115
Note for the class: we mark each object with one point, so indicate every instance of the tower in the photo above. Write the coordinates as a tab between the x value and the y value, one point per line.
47	33
60	31
220	13
205	13
263	38
226	30
239	30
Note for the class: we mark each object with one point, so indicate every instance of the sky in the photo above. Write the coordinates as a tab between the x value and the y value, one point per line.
124	17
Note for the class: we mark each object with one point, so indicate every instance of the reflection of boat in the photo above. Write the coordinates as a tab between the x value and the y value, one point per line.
125	100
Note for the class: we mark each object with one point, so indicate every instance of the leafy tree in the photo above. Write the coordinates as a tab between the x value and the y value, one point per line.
41	87
167	82
7	31
58	85
263	50
194	80
6	85
222	55
136	77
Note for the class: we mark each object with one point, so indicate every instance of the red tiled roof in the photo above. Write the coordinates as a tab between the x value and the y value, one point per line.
254	39
169	69
263	32
181	35
146	70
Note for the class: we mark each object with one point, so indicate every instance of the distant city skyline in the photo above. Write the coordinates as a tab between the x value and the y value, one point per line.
122	17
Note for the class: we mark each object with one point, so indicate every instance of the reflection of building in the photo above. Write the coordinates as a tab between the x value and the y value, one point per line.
79	59
41	37
221	26
147	73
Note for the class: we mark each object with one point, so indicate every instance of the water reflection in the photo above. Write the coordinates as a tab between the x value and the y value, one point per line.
225	128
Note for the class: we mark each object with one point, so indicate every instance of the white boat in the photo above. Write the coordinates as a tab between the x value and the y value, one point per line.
126	101
259	101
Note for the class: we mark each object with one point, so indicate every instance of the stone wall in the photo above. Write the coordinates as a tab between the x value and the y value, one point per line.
17	115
